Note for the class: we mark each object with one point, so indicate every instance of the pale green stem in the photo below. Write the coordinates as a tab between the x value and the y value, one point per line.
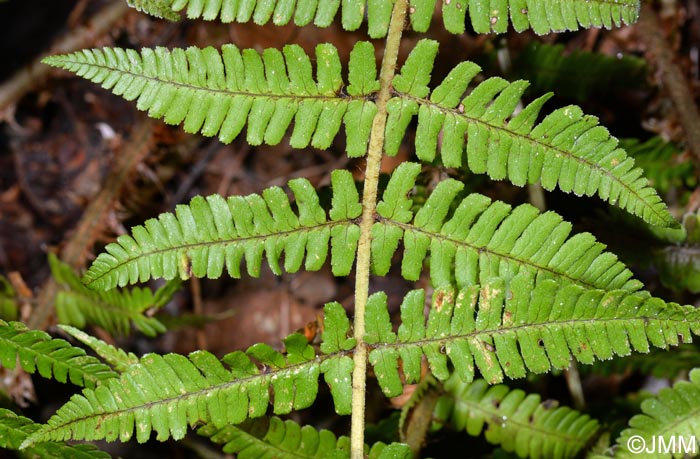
573	381
369	204
536	193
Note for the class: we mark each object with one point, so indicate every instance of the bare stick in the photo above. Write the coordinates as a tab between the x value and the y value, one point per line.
35	73
131	153
681	94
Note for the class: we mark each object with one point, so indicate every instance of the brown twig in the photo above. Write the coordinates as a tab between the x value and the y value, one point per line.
682	96
30	76
419	420
74	252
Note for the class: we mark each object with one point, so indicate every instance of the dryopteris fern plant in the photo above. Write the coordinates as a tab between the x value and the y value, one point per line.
15	429
112	310
217	93
273	437
674	412
514	292
516	421
542	17
579	75
35	351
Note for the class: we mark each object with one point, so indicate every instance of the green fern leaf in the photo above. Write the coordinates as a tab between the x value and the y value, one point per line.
218	93
274	438
516	421
157	8
112	310
579	75
541	16
116	357
663	162
35	351
337	372
15	429
9	308
202	238
567	149
391	451
510	329
660	363
167	393
482	239
673	414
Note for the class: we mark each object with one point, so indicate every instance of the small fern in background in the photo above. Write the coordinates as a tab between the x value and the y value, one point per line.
8	303
518	422
679	262
664	165
112	310
673	412
513	291
579	75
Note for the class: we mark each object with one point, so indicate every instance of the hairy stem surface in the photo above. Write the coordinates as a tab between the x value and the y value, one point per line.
369	204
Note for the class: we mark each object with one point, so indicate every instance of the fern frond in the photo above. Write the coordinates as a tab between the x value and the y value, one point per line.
14	429
9	308
567	149
219	93
510	329
666	363
208	235
663	162
673	413
391	451
112	310
167	393
540	15
157	8
116	357
579	75
517	421
35	351
679	267
678	263
273	437
482	239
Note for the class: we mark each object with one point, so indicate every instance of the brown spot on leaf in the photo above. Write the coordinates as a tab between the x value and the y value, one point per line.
488	293
439	299
507	318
